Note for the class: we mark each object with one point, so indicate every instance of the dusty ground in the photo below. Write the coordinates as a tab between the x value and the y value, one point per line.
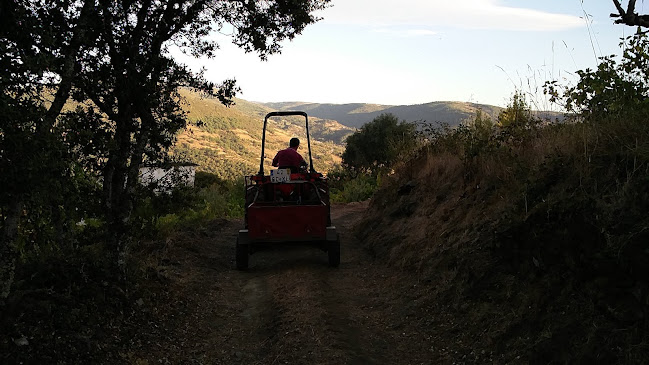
289	308
192	307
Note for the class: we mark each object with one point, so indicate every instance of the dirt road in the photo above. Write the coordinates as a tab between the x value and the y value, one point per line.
289	308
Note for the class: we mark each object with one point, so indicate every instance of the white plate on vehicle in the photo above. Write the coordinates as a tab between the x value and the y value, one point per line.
280	175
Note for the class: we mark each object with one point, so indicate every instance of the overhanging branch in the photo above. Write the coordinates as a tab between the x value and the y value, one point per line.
629	16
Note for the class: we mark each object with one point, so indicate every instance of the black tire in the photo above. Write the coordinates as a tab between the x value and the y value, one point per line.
242	256
333	251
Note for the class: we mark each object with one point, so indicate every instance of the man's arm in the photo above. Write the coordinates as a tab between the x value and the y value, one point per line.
276	160
303	163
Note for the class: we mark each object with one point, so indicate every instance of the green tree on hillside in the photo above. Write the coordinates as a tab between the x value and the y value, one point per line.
518	113
378	144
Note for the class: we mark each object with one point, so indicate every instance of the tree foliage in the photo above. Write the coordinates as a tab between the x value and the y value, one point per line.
111	58
517	114
614	89
378	144
36	175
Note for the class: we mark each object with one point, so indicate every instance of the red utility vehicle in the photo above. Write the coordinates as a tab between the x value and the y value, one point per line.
286	207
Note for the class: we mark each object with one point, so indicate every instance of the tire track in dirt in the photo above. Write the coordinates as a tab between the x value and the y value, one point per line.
288	308
319	317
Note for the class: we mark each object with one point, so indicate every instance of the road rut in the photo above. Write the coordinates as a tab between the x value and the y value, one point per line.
288	308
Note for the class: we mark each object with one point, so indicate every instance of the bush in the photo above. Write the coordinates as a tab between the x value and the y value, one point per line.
345	186
378	144
211	198
356	189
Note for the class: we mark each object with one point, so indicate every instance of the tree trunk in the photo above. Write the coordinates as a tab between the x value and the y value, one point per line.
118	213
117	197
7	251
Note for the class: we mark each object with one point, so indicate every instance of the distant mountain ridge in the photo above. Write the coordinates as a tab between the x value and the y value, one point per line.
356	114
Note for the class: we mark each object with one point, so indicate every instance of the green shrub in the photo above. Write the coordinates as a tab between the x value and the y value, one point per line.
211	198
356	189
378	144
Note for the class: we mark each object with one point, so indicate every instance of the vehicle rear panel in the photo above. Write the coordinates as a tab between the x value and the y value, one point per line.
287	223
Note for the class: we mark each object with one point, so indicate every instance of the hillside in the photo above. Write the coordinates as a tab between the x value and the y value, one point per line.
227	141
532	249
355	115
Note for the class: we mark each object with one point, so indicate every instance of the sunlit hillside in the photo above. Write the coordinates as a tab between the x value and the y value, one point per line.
227	141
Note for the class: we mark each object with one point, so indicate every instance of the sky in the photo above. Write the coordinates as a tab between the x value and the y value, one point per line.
419	51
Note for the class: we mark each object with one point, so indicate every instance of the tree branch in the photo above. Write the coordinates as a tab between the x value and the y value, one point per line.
103	107
67	72
631	7
619	7
629	17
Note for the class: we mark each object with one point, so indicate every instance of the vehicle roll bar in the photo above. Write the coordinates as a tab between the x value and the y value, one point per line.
263	136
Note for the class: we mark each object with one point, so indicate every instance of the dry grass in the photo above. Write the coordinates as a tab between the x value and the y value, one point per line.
546	232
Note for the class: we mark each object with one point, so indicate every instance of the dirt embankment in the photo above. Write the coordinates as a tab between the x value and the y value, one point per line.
289	308
531	283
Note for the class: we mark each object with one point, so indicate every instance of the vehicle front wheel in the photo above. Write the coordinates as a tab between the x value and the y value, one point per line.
333	250
242	255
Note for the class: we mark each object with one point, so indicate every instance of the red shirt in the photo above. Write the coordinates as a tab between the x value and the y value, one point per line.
288	158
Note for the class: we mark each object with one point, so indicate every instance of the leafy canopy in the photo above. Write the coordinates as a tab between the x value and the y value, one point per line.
378	144
614	89
112	58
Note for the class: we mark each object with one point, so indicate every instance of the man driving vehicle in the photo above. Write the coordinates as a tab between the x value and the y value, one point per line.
289	158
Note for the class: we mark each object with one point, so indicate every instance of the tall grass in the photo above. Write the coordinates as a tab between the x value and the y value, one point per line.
185	207
547	221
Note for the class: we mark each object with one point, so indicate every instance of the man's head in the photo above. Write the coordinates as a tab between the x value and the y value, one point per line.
294	143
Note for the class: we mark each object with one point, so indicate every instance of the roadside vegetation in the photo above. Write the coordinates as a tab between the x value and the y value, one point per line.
534	234
369	156
160	215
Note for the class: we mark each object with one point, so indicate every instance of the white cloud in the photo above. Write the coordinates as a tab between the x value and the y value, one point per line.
407	32
472	14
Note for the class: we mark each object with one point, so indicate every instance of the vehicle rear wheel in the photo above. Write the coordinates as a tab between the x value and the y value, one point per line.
333	250
242	256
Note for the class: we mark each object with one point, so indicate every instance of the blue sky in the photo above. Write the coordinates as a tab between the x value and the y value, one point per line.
418	51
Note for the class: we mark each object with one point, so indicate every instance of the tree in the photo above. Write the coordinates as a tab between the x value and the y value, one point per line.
615	89
112	58
37	43
378	144
629	16
518	114
132	79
